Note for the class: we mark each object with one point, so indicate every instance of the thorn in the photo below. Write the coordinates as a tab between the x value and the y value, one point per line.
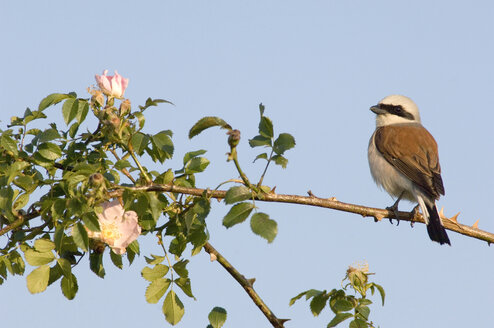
282	321
212	257
476	225
454	218
333	199
273	190
251	281
310	193
378	218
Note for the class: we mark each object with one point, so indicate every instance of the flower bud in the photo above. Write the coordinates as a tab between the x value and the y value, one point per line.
234	138
96	179
125	107
97	100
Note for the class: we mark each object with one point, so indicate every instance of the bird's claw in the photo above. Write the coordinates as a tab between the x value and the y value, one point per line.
414	212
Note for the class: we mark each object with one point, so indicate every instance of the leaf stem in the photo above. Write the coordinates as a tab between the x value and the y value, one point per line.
265	169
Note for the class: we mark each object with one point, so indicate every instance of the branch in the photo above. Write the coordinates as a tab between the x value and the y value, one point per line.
247	285
376	213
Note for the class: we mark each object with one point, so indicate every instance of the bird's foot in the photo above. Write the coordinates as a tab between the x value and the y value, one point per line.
414	213
394	209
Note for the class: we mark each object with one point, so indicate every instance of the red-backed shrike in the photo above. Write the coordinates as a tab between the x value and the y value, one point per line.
403	159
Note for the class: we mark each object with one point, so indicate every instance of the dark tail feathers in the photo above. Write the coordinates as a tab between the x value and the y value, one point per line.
435	228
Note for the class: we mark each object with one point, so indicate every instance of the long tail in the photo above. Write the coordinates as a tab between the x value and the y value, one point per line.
435	227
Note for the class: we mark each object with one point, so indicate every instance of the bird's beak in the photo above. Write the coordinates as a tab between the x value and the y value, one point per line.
377	110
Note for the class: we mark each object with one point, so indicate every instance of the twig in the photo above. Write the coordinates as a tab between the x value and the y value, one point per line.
247	285
332	203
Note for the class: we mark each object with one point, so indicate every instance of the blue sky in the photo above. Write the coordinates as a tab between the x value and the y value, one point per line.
317	66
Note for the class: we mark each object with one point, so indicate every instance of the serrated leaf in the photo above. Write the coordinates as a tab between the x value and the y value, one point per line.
258	141
339	318
156	290
9	144
280	160
191	154
342	305
358	323
53	99
237	194
79	234
35	258
364	311
262	225
96	264
237	214
173	308
48	135
91	222
217	317
44	245
261	156
65	266
37	280
196	165
206	123
284	142
318	303
158	271
116	259
266	127
139	142
153	102
164	145
82	111
69	286
69	110
184	284
181	268
154	260
49	151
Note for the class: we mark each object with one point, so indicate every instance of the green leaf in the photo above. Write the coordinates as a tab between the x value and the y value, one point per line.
48	135
358	323
121	164
237	194
184	284
340	317
261	156
44	245
173	309
69	286
116	259
37	280
217	317
151	274
153	102
53	99
258	141
163	145
180	268
96	264
139	142
237	214
65	266
156	290
364	311
266	127
192	154
69	110
262	225
318	303
9	144
280	160
155	259
196	165
82	111
296	298
364	301
342	305
206	123
80	236
49	151
381	291
35	258
284	142
91	222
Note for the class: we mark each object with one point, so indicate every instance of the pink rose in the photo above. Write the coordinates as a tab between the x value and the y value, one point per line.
118	227
112	85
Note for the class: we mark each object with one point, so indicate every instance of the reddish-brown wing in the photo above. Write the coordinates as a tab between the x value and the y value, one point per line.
413	151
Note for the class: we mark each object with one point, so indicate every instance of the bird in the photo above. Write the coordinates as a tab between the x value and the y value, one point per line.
403	159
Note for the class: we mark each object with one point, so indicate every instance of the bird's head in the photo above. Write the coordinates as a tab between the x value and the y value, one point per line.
396	109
